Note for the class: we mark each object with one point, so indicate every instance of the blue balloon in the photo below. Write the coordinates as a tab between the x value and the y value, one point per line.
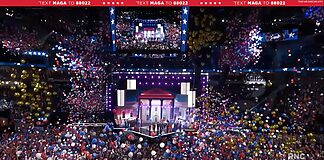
181	156
94	140
166	155
82	133
132	148
102	143
107	128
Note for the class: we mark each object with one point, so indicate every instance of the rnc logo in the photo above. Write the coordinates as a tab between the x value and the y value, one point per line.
296	156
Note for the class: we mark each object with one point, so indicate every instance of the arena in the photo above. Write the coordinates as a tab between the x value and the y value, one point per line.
162	83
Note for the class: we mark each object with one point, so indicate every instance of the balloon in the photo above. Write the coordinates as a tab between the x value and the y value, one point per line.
39	155
36	89
18	153
123	145
94	140
82	133
13	76
51	148
153	153
130	154
140	139
139	146
38	123
20	103
168	151
23	96
17	94
162	145
130	137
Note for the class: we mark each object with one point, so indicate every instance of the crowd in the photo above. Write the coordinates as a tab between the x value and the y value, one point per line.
18	39
74	45
221	128
304	102
222	131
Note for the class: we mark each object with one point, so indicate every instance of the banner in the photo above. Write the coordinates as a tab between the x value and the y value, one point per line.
116	3
285	35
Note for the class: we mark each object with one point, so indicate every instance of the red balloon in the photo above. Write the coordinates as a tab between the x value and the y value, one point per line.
130	137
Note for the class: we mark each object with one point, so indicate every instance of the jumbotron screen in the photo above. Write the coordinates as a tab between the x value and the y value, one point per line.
149	29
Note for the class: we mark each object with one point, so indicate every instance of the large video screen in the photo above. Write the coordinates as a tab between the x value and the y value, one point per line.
149	29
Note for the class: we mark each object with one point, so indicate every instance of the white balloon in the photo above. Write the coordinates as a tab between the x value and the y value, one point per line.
39	155
153	153
139	146
140	139
18	153
73	137
72	144
162	145
104	149
168	151
94	146
130	154
123	145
